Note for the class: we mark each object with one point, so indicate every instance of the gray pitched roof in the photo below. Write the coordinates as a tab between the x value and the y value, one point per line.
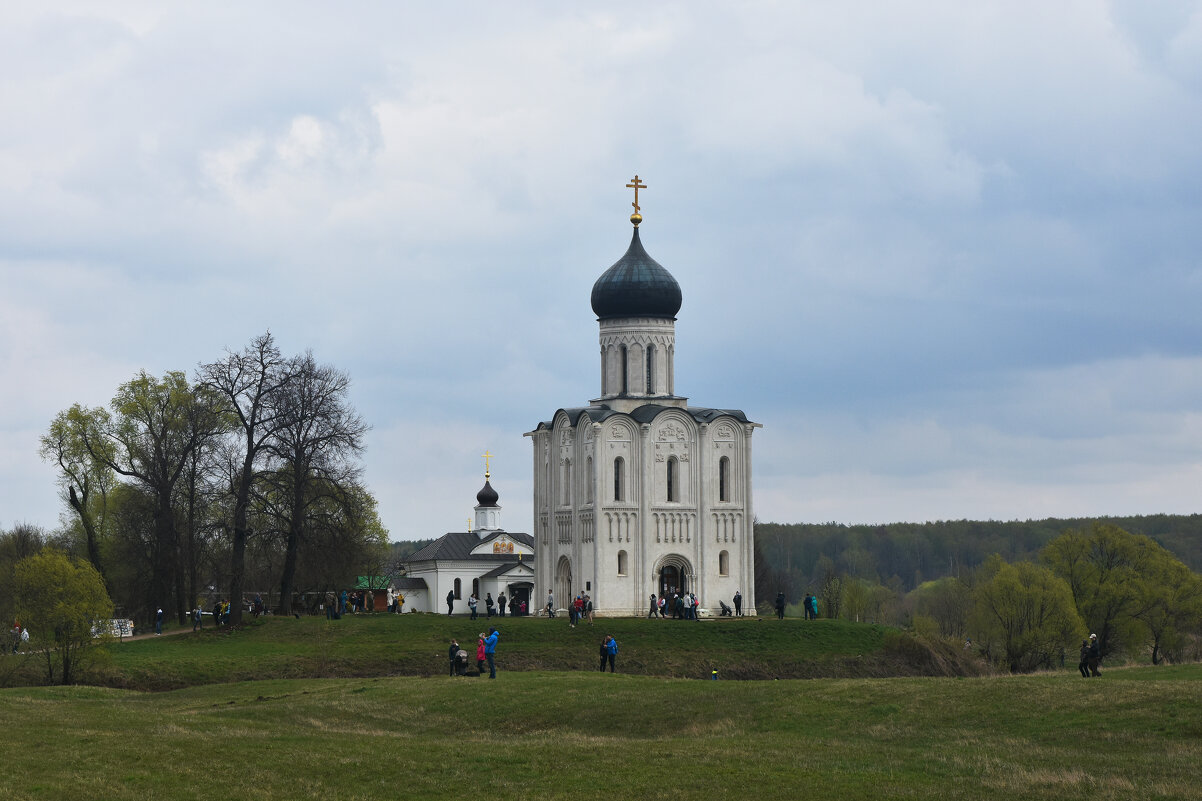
459	545
503	569
410	584
644	414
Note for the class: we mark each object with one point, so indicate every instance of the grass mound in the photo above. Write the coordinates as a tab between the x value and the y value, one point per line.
416	645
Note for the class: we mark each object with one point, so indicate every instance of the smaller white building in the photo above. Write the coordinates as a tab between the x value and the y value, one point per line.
486	560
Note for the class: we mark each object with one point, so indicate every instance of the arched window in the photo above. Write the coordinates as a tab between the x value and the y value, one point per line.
589	477
724	478
673	491
476	587
458	590
724	564
621	563
619	463
650	369
567	482
625	370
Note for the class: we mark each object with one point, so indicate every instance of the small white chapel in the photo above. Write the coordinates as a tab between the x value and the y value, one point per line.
639	492
486	559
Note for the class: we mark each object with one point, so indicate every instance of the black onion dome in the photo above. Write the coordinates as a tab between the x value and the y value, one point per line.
636	286
487	496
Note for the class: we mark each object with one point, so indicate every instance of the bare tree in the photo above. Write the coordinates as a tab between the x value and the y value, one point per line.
316	448
250	381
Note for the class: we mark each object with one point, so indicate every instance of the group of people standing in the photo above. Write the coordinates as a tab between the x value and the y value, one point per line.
486	648
19	635
680	607
490	606
809	605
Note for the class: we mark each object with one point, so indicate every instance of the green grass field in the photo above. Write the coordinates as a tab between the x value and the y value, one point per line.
573	733
416	645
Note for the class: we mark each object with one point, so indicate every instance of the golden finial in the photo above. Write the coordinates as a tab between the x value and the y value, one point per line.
469	524
636	185
486	456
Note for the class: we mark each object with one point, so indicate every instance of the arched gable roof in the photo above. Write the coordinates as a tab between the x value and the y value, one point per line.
643	414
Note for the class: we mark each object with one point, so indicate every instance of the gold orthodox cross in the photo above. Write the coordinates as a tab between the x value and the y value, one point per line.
486	456
636	186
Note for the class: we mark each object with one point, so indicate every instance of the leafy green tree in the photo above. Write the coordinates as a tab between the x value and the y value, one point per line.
1024	617
153	430
947	601
59	599
1169	603
86	480
1109	571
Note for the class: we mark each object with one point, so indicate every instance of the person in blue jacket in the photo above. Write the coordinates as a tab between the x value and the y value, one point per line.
610	646
490	649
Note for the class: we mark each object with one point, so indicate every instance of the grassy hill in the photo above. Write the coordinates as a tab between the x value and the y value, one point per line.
1134	733
416	645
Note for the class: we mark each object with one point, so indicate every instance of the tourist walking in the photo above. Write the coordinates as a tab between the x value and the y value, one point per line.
588	608
550	604
490	651
813	607
663	607
472	603
450	601
654	610
1083	666
780	606
738	604
158	621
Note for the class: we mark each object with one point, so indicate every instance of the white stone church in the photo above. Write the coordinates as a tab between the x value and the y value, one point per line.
639	493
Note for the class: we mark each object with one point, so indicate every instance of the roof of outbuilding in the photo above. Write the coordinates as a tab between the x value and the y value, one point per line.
459	545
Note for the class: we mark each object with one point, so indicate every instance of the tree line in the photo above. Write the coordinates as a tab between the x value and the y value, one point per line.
1025	611
244	477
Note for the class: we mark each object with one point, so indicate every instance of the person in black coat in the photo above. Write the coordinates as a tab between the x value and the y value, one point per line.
780	606
450	601
1095	655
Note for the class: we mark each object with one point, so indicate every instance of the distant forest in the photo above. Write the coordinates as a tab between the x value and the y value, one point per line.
794	557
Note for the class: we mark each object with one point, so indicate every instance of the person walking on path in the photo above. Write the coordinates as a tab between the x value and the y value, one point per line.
1083	666
588	608
196	622
490	651
480	656
663	608
450	601
738	604
780	606
471	605
813	607
550	604
158	621
654	610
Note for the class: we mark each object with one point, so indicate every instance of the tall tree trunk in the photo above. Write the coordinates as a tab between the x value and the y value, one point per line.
164	534
238	552
80	505
289	568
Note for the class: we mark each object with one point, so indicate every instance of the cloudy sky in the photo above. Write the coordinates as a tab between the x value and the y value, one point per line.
949	254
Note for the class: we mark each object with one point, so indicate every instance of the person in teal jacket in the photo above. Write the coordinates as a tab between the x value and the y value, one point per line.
490	650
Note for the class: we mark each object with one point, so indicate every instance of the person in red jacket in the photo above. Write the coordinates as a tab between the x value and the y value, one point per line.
480	654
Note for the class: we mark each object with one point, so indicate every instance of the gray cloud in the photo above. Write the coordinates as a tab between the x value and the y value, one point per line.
946	252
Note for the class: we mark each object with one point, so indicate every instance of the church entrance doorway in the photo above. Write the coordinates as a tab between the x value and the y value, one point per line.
563	583
672	581
519	599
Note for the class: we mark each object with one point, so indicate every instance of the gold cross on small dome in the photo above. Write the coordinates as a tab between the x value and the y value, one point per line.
486	456
636	185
